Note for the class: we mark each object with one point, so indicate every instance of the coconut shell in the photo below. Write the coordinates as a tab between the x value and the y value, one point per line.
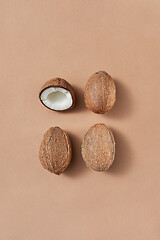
55	151
58	82
98	147
100	92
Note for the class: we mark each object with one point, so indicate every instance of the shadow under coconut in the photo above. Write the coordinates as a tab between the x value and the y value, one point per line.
123	105
77	165
80	105
124	155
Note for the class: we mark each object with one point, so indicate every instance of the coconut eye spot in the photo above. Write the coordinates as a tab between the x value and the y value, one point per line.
57	98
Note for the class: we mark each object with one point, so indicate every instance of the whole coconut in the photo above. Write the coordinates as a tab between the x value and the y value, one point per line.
98	147
100	92
55	151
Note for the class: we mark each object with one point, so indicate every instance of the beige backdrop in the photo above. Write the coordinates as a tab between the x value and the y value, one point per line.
73	39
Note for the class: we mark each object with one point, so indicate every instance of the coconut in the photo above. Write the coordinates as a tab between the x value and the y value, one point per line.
57	94
98	147
55	151
100	92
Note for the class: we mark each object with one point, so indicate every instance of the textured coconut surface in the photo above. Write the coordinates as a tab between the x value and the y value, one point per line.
98	147
65	87
100	92
55	151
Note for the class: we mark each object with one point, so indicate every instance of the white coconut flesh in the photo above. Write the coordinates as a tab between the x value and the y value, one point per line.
56	98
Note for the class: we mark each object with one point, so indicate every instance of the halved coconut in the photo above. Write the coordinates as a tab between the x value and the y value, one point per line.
57	94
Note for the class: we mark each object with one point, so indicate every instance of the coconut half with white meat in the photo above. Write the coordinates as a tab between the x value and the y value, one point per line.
57	94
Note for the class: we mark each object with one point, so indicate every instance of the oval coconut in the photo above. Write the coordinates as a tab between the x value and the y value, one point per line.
98	147
57	94
100	92
55	151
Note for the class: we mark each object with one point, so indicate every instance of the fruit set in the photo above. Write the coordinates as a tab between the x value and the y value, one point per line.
98	145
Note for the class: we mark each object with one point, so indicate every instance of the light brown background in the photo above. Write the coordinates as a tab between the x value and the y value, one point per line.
73	39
